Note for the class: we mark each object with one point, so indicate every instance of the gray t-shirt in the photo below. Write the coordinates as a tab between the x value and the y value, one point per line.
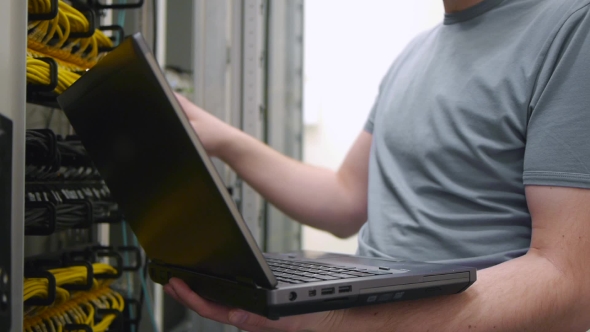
495	98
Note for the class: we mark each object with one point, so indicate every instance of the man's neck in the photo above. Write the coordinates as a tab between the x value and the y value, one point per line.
453	6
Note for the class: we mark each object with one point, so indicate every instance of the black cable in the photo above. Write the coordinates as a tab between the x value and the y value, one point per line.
35	216
103	209
73	150
36	143
40	152
70	215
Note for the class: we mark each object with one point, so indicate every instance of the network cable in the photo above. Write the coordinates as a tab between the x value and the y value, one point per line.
54	37
39	73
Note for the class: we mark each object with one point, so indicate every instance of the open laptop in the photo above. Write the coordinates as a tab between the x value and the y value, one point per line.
142	143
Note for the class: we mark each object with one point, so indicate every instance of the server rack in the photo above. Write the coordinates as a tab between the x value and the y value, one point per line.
69	237
245	66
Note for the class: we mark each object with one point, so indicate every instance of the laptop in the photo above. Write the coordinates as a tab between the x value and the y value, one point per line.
143	145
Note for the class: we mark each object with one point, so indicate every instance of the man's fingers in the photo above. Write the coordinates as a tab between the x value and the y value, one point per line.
254	323
242	319
238	317
249	321
170	291
203	307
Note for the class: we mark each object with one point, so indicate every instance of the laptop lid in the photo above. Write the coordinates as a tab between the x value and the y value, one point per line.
143	145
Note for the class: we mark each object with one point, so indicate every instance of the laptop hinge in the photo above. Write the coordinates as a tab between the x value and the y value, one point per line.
246	281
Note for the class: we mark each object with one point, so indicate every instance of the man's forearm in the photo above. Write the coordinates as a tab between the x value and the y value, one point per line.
312	195
526	294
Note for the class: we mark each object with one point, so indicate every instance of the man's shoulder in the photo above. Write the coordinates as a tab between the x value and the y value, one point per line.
564	8
543	14
565	18
548	21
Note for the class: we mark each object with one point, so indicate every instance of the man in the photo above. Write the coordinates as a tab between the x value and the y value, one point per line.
476	152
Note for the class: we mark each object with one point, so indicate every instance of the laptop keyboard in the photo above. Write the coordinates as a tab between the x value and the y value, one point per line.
300	272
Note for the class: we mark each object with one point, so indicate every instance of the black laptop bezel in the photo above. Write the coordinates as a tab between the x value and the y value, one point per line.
97	76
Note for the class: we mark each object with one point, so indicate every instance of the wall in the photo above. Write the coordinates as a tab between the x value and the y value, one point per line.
349	45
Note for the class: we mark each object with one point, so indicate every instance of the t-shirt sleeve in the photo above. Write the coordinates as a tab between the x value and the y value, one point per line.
558	132
371	120
370	123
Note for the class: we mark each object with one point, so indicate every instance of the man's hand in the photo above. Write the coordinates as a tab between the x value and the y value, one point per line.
213	133
324	321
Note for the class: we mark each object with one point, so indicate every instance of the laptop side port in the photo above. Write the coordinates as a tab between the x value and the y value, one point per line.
312	292
344	289
328	291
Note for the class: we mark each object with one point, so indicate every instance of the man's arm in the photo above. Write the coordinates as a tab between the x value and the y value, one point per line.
319	197
545	290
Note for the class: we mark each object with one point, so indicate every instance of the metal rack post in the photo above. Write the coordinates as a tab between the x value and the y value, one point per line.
253	106
13	37
284	88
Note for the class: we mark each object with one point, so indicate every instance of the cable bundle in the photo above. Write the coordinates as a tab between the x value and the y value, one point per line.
59	37
80	311
39	73
54	207
63	188
47	219
69	38
74	275
52	158
74	307
73	152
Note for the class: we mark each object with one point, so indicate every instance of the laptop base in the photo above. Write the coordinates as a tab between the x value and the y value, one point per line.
264	301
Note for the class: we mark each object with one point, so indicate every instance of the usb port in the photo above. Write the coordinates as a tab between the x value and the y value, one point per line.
344	289
328	291
312	292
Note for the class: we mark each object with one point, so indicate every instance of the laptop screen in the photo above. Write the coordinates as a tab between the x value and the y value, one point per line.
157	170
